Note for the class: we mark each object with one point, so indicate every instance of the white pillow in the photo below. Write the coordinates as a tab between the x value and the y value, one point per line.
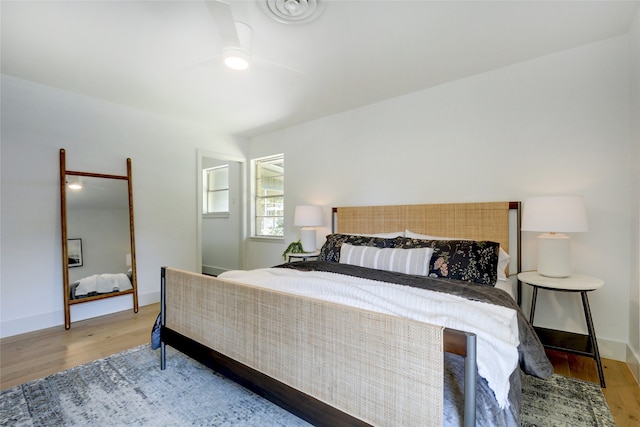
503	256
408	261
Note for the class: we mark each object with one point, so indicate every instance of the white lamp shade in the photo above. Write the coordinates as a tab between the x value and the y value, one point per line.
563	214
308	216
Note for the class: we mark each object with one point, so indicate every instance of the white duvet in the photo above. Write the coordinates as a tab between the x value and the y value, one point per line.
103	283
495	326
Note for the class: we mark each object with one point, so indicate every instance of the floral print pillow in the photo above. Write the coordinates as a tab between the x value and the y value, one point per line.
331	249
467	260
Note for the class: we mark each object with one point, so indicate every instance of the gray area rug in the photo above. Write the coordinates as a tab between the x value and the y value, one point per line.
562	401
130	389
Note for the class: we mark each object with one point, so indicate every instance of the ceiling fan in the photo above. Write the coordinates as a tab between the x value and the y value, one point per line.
236	35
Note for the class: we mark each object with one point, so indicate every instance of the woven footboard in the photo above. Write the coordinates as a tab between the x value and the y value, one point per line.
381	369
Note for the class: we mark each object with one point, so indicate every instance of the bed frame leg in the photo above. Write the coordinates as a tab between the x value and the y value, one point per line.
163	346
163	356
470	382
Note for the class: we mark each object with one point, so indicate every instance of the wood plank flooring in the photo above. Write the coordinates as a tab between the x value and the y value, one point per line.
37	354
34	355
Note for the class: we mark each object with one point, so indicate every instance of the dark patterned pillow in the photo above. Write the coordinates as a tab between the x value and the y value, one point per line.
468	260
331	249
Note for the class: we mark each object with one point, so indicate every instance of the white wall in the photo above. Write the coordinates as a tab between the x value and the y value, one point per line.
558	124
36	122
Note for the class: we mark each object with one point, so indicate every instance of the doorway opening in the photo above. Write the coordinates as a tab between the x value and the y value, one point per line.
221	212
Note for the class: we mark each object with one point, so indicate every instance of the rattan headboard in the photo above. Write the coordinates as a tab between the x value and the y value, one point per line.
478	221
494	221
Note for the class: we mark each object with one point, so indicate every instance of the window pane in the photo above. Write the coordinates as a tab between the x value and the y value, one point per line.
270	206
270	180
218	201
269	198
216	190
218	178
273	226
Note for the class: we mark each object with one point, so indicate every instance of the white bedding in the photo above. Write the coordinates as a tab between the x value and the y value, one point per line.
495	326
507	286
103	283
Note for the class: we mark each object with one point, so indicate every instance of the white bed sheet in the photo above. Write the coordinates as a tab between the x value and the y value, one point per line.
103	283
508	286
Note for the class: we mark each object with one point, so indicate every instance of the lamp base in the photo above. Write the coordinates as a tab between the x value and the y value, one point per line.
554	255
308	239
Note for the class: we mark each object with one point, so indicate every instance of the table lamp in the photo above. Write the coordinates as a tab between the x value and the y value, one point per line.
554	215
308	217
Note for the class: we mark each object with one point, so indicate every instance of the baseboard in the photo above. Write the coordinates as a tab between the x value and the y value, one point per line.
621	352
633	361
24	325
615	350
212	270
148	298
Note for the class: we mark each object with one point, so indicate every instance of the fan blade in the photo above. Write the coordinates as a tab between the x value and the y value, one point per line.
277	65
223	18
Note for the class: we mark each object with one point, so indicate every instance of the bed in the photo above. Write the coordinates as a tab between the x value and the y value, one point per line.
338	342
100	284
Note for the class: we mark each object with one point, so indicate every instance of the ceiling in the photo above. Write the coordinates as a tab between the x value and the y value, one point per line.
164	56
97	193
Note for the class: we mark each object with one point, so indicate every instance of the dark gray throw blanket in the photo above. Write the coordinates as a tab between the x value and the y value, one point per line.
533	359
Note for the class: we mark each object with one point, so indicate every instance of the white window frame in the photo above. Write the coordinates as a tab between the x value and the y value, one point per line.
255	202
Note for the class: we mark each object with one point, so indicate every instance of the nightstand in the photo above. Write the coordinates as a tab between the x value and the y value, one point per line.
585	345
304	256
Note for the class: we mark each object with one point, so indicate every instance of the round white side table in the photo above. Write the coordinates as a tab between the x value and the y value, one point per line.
585	345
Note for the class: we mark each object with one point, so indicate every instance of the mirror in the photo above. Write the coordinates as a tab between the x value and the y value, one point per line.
98	245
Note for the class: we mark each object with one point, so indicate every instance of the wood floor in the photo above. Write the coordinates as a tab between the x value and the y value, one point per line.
37	354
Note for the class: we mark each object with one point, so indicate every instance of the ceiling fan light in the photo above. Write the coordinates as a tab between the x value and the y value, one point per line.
75	185
236	59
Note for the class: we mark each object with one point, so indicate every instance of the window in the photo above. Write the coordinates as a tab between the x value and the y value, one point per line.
216	190
269	197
